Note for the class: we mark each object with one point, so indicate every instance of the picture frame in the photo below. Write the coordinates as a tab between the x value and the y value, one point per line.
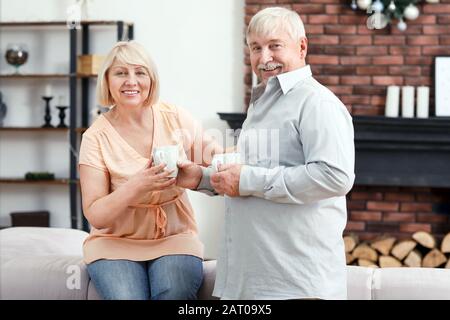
442	83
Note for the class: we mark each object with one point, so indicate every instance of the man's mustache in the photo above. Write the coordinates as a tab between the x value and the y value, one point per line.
269	66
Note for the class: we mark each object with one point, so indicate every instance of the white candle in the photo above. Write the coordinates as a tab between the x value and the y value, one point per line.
423	98
408	102
48	90
392	101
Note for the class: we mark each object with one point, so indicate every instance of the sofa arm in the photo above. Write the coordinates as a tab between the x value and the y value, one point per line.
359	283
44	277
411	284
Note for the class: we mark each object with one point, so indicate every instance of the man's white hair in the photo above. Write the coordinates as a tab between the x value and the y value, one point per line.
271	20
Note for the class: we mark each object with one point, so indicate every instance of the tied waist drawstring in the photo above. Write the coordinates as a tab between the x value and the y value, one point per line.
161	216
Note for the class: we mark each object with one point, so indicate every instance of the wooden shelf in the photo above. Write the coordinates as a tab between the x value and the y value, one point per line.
60	23
33	76
33	129
87	75
36	182
45	76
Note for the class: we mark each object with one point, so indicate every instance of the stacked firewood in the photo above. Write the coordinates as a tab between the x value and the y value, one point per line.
422	250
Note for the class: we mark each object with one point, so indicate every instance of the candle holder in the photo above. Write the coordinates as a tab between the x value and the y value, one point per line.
62	116
48	116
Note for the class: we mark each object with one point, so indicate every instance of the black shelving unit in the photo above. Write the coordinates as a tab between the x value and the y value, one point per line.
125	31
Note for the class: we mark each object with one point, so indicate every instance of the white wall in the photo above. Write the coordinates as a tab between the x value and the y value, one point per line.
197	46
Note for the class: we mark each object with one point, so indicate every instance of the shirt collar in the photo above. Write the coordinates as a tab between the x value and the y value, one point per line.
288	80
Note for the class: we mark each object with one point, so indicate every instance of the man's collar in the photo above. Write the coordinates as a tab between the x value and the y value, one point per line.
288	80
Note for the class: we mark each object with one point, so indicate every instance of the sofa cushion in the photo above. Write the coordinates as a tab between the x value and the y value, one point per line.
46	263
359	283
411	284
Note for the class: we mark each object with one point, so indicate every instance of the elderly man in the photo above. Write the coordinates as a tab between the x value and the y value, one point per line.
286	206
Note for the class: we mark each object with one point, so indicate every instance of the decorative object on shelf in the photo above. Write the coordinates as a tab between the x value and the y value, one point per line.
408	102
39	176
62	116
89	64
81	10
48	116
384	12
392	102
3	109
30	219
442	83
423	98
73	16
85	8
16	55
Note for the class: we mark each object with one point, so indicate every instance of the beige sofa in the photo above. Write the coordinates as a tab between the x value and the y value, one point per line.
46	263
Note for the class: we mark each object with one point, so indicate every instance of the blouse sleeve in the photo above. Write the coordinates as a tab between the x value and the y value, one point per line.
91	153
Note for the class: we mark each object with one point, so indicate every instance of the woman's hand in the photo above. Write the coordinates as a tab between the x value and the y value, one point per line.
151	178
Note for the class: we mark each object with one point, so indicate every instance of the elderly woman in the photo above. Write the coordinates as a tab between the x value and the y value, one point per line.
143	242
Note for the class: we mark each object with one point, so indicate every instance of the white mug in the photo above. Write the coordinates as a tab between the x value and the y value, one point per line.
225	158
167	155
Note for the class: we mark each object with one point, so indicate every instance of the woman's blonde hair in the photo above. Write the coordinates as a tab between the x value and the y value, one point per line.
128	52
274	19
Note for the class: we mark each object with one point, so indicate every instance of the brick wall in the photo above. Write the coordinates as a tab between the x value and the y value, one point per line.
358	64
397	211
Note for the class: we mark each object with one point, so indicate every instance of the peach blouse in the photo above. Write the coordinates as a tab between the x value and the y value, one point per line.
163	223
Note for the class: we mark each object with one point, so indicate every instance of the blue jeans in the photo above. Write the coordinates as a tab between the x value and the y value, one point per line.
172	277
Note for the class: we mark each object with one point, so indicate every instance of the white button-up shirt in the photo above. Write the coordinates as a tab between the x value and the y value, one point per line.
283	235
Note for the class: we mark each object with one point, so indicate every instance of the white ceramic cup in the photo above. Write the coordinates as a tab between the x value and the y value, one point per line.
225	158
167	155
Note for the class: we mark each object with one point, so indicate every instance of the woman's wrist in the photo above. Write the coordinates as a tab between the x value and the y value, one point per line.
131	191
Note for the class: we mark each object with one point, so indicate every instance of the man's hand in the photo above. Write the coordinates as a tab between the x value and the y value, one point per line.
189	175
226	181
